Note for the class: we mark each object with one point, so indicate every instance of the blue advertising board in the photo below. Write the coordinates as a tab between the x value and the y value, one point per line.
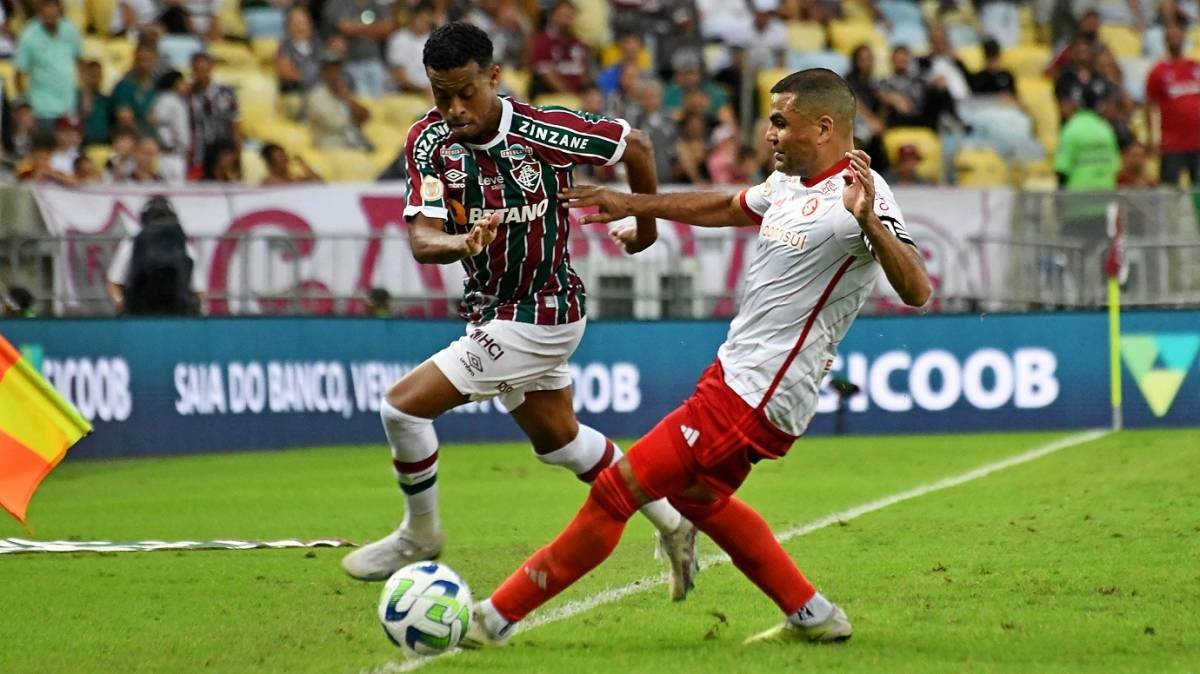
166	386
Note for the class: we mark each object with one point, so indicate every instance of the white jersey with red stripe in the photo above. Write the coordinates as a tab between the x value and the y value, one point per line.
810	277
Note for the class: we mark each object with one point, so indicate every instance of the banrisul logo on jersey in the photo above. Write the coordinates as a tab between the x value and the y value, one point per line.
1159	363
525	168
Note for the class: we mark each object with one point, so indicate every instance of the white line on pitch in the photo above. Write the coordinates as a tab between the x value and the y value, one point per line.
574	608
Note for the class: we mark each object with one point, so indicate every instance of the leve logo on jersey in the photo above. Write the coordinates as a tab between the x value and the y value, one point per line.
1159	362
524	213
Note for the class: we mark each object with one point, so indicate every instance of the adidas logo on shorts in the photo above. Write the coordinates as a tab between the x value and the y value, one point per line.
690	434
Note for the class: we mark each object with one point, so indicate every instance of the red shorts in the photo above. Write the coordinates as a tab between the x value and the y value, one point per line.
713	438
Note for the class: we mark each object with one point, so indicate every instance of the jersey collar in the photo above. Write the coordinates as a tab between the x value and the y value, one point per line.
827	173
506	113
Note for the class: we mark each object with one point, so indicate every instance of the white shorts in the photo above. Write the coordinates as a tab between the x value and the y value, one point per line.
507	359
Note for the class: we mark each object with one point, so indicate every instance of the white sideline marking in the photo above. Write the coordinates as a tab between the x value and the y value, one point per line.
574	608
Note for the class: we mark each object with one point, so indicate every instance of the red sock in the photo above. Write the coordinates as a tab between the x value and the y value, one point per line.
588	540
745	537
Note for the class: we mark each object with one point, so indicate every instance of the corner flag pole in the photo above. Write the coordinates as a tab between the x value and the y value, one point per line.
1116	268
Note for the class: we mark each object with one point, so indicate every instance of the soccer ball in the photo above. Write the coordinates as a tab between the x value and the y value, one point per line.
425	608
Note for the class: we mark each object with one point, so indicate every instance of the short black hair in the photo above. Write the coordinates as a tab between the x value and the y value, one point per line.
456	44
991	48
168	80
202	56
819	89
267	150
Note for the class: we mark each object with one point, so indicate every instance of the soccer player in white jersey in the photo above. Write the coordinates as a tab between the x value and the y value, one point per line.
483	176
827	223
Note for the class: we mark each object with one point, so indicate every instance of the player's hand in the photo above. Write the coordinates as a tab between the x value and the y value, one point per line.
859	194
482	233
613	205
627	238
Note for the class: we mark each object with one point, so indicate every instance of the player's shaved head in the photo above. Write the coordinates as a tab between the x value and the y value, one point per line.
819	91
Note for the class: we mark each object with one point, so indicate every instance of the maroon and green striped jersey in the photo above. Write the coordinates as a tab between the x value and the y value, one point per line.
525	275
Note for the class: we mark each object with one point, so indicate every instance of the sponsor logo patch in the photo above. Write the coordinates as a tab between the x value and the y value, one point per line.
455	179
454	152
431	189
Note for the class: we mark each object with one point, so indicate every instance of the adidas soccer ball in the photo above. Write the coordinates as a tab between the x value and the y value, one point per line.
425	608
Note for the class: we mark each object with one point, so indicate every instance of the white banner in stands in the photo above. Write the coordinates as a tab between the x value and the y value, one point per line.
260	250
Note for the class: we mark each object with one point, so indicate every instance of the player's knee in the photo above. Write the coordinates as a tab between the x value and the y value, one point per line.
698	510
610	492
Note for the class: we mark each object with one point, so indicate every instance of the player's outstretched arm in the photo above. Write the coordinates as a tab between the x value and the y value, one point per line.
901	262
432	245
703	209
638	159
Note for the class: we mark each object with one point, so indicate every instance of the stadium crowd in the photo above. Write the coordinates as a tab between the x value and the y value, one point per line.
1087	94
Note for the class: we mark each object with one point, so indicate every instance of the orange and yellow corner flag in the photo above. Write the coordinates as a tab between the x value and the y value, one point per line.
36	428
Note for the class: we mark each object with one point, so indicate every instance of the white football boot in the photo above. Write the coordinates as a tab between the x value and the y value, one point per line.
680	548
834	628
486	631
379	560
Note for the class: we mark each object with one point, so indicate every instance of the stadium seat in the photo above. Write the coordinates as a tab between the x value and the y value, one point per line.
76	11
591	23
854	10
1039	176
99	155
926	142
8	73
384	136
318	162
288	135
900	12
120	54
971	56
232	54
1123	41
561	100
95	47
1036	94
833	60
101	14
767	79
254	169
351	166
1001	126
980	167
265	49
264	22
1031	33
257	116
844	36
1002	22
909	35
961	35
230	18
1134	71
404	109
177	50
805	36
515	81
1026	59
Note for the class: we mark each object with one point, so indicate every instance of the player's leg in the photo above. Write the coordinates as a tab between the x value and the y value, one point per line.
558	439
407	412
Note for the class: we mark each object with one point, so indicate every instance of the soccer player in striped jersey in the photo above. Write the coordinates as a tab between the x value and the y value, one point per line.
483	177
826	225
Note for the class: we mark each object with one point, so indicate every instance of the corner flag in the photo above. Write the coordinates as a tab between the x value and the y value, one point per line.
36	428
1116	268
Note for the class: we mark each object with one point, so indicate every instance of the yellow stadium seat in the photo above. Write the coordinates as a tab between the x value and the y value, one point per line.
1026	59
385	136
288	135
232	54
1031	32
926	142
101	14
257	116
592	21
1036	94
1123	41
1039	176
99	155
230	18
805	36
76	11
120	54
854	10
972	57
318	162
249	83
980	167
94	48
516	81
351	166
254	169
265	50
404	109
8	73
561	100
612	53
845	36
766	80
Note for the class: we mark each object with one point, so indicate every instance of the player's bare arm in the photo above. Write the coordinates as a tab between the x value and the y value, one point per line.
901	262
432	245
643	179
702	209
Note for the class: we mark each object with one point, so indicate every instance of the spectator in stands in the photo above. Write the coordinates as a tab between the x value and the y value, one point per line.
752	24
1079	81
214	109
95	108
222	162
904	94
85	170
365	26
560	62
729	78
506	25
24	129
993	80
908	161
334	117
1182	12
405	49
279	167
869	124
724	163
18	303
298	61
173	127
629	47
663	132
135	17
1135	171
677	31
942	68
1087	33
38	168
119	167
145	161
692	150
1088	157
155	272
623	101
45	60
1173	110
193	17
7	41
690	92
133	96
67	137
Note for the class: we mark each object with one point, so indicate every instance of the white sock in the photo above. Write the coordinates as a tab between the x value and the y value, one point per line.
587	455
415	462
815	612
494	624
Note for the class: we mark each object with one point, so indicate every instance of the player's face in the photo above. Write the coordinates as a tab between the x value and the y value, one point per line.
466	97
793	135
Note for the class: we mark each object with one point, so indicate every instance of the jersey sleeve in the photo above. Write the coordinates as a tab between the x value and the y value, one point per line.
1154	85
756	200
890	216
567	136
424	191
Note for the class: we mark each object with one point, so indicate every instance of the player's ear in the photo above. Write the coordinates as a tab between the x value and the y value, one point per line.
824	129
494	75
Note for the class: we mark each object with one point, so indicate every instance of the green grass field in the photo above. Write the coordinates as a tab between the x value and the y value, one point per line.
1085	560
